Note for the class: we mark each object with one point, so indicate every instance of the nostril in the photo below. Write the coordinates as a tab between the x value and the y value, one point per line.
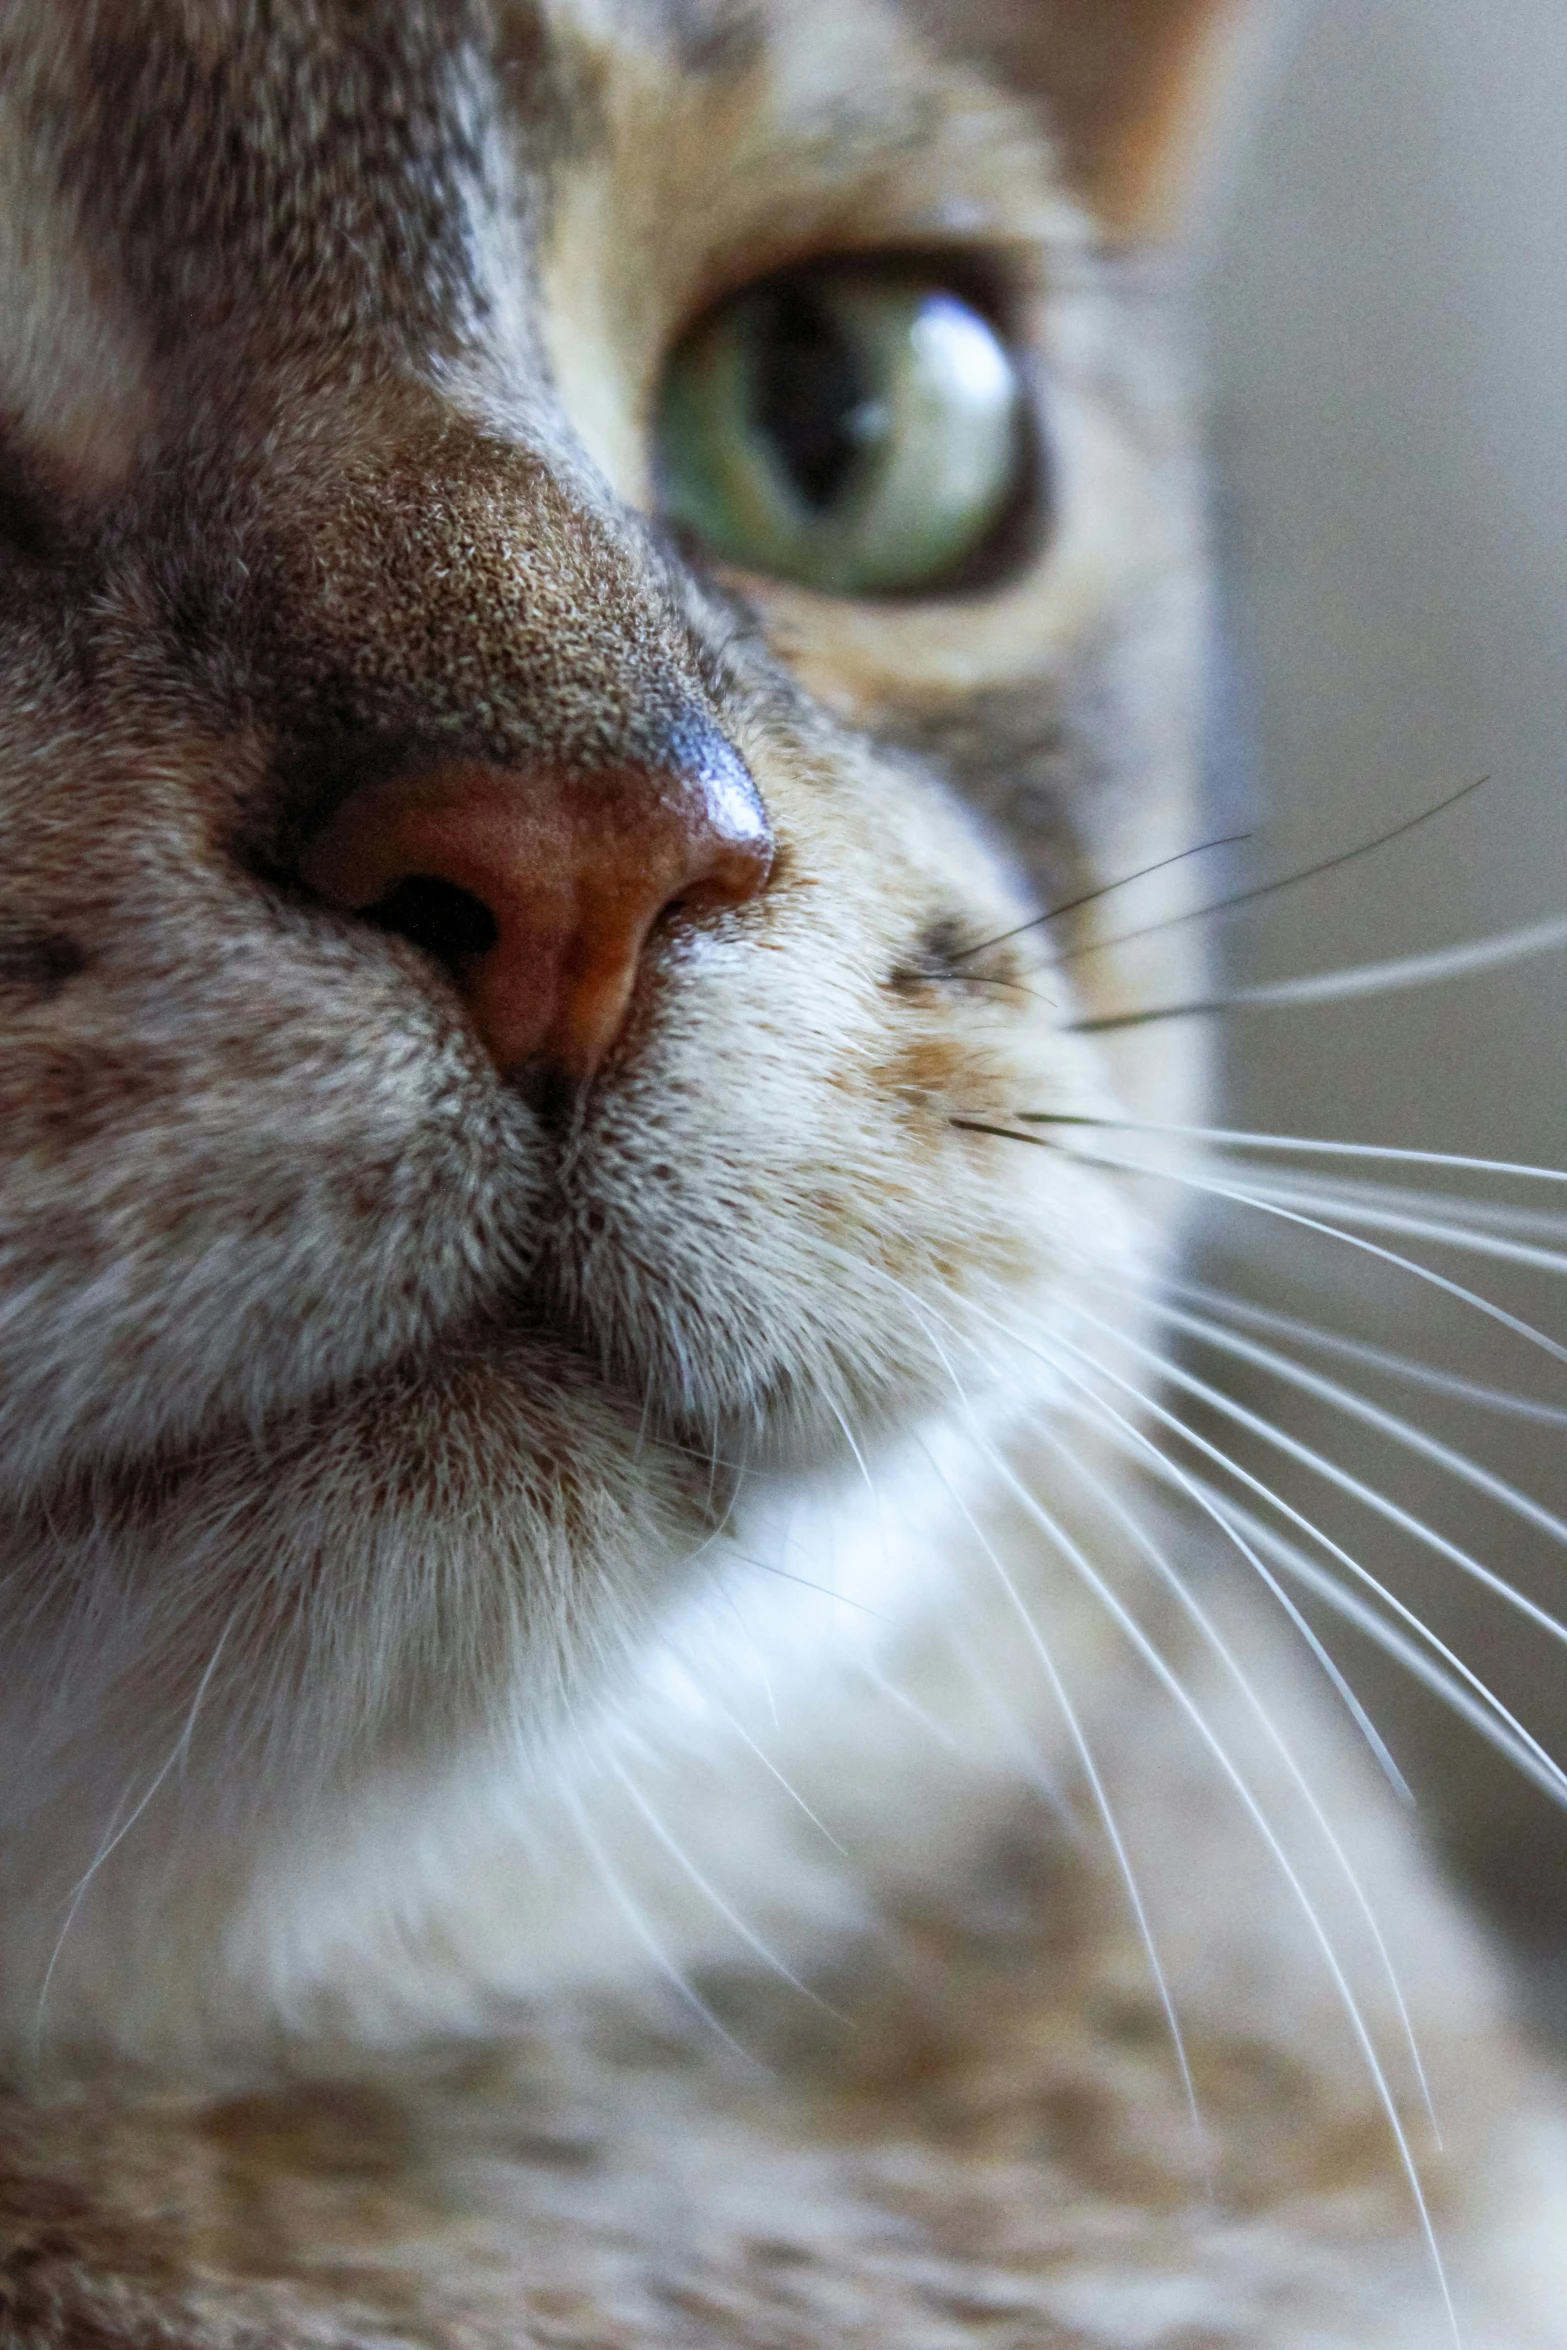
447	922
537	890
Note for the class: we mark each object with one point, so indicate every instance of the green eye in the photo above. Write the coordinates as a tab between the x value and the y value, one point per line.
860	434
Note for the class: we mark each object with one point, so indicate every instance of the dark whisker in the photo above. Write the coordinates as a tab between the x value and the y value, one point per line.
1108	1022
982	979
1227	840
1351	981
1002	1133
1039	1141
1268	889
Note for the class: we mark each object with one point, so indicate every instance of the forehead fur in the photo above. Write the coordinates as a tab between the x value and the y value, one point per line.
230	156
225	153
177	180
350	154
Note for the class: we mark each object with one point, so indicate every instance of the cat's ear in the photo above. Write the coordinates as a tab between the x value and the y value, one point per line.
1135	90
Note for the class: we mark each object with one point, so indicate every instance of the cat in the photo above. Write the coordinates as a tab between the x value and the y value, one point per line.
614	1728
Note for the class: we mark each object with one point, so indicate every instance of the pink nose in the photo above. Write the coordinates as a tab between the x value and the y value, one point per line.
539	887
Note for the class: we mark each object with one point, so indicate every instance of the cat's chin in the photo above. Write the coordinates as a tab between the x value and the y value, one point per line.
438	1578
459	1540
549	1382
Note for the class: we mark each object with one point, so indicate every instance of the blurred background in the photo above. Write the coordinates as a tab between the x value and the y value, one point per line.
1387	361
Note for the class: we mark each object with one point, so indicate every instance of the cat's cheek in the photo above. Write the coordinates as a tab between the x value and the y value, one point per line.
212	1218
777	1221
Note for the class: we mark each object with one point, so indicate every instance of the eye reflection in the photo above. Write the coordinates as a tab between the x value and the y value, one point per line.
857	433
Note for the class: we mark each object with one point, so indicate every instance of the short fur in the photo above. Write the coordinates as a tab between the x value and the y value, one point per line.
463	1879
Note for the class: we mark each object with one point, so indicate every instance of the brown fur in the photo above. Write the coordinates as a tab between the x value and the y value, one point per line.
375	1434
979	2137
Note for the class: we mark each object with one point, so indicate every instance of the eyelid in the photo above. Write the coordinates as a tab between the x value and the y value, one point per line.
998	279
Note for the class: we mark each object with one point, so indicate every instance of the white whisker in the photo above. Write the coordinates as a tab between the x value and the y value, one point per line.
1311	1146
1148	1549
1407	1653
860	1462
1308	1457
922	1310
1040	1776
1198	1442
771	1767
1104	1807
1364	979
1480	1229
937	1732
710	1893
1361	1352
634	1918
1425	1667
1423	970
1210	1188
821	1590
1370	1415
1177	1690
1141	1447
114	1836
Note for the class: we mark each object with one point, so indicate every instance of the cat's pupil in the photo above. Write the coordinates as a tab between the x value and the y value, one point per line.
812	393
447	922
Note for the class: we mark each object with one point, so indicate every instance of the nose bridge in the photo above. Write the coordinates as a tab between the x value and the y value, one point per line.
510	757
442	583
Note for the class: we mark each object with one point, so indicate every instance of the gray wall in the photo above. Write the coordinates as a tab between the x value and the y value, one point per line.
1389	381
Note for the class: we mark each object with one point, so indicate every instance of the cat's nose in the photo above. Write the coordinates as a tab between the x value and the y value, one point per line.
538	887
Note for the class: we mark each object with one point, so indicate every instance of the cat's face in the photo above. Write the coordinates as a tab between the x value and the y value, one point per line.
377	1337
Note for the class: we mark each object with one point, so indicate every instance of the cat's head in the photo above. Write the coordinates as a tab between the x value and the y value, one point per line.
571	577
